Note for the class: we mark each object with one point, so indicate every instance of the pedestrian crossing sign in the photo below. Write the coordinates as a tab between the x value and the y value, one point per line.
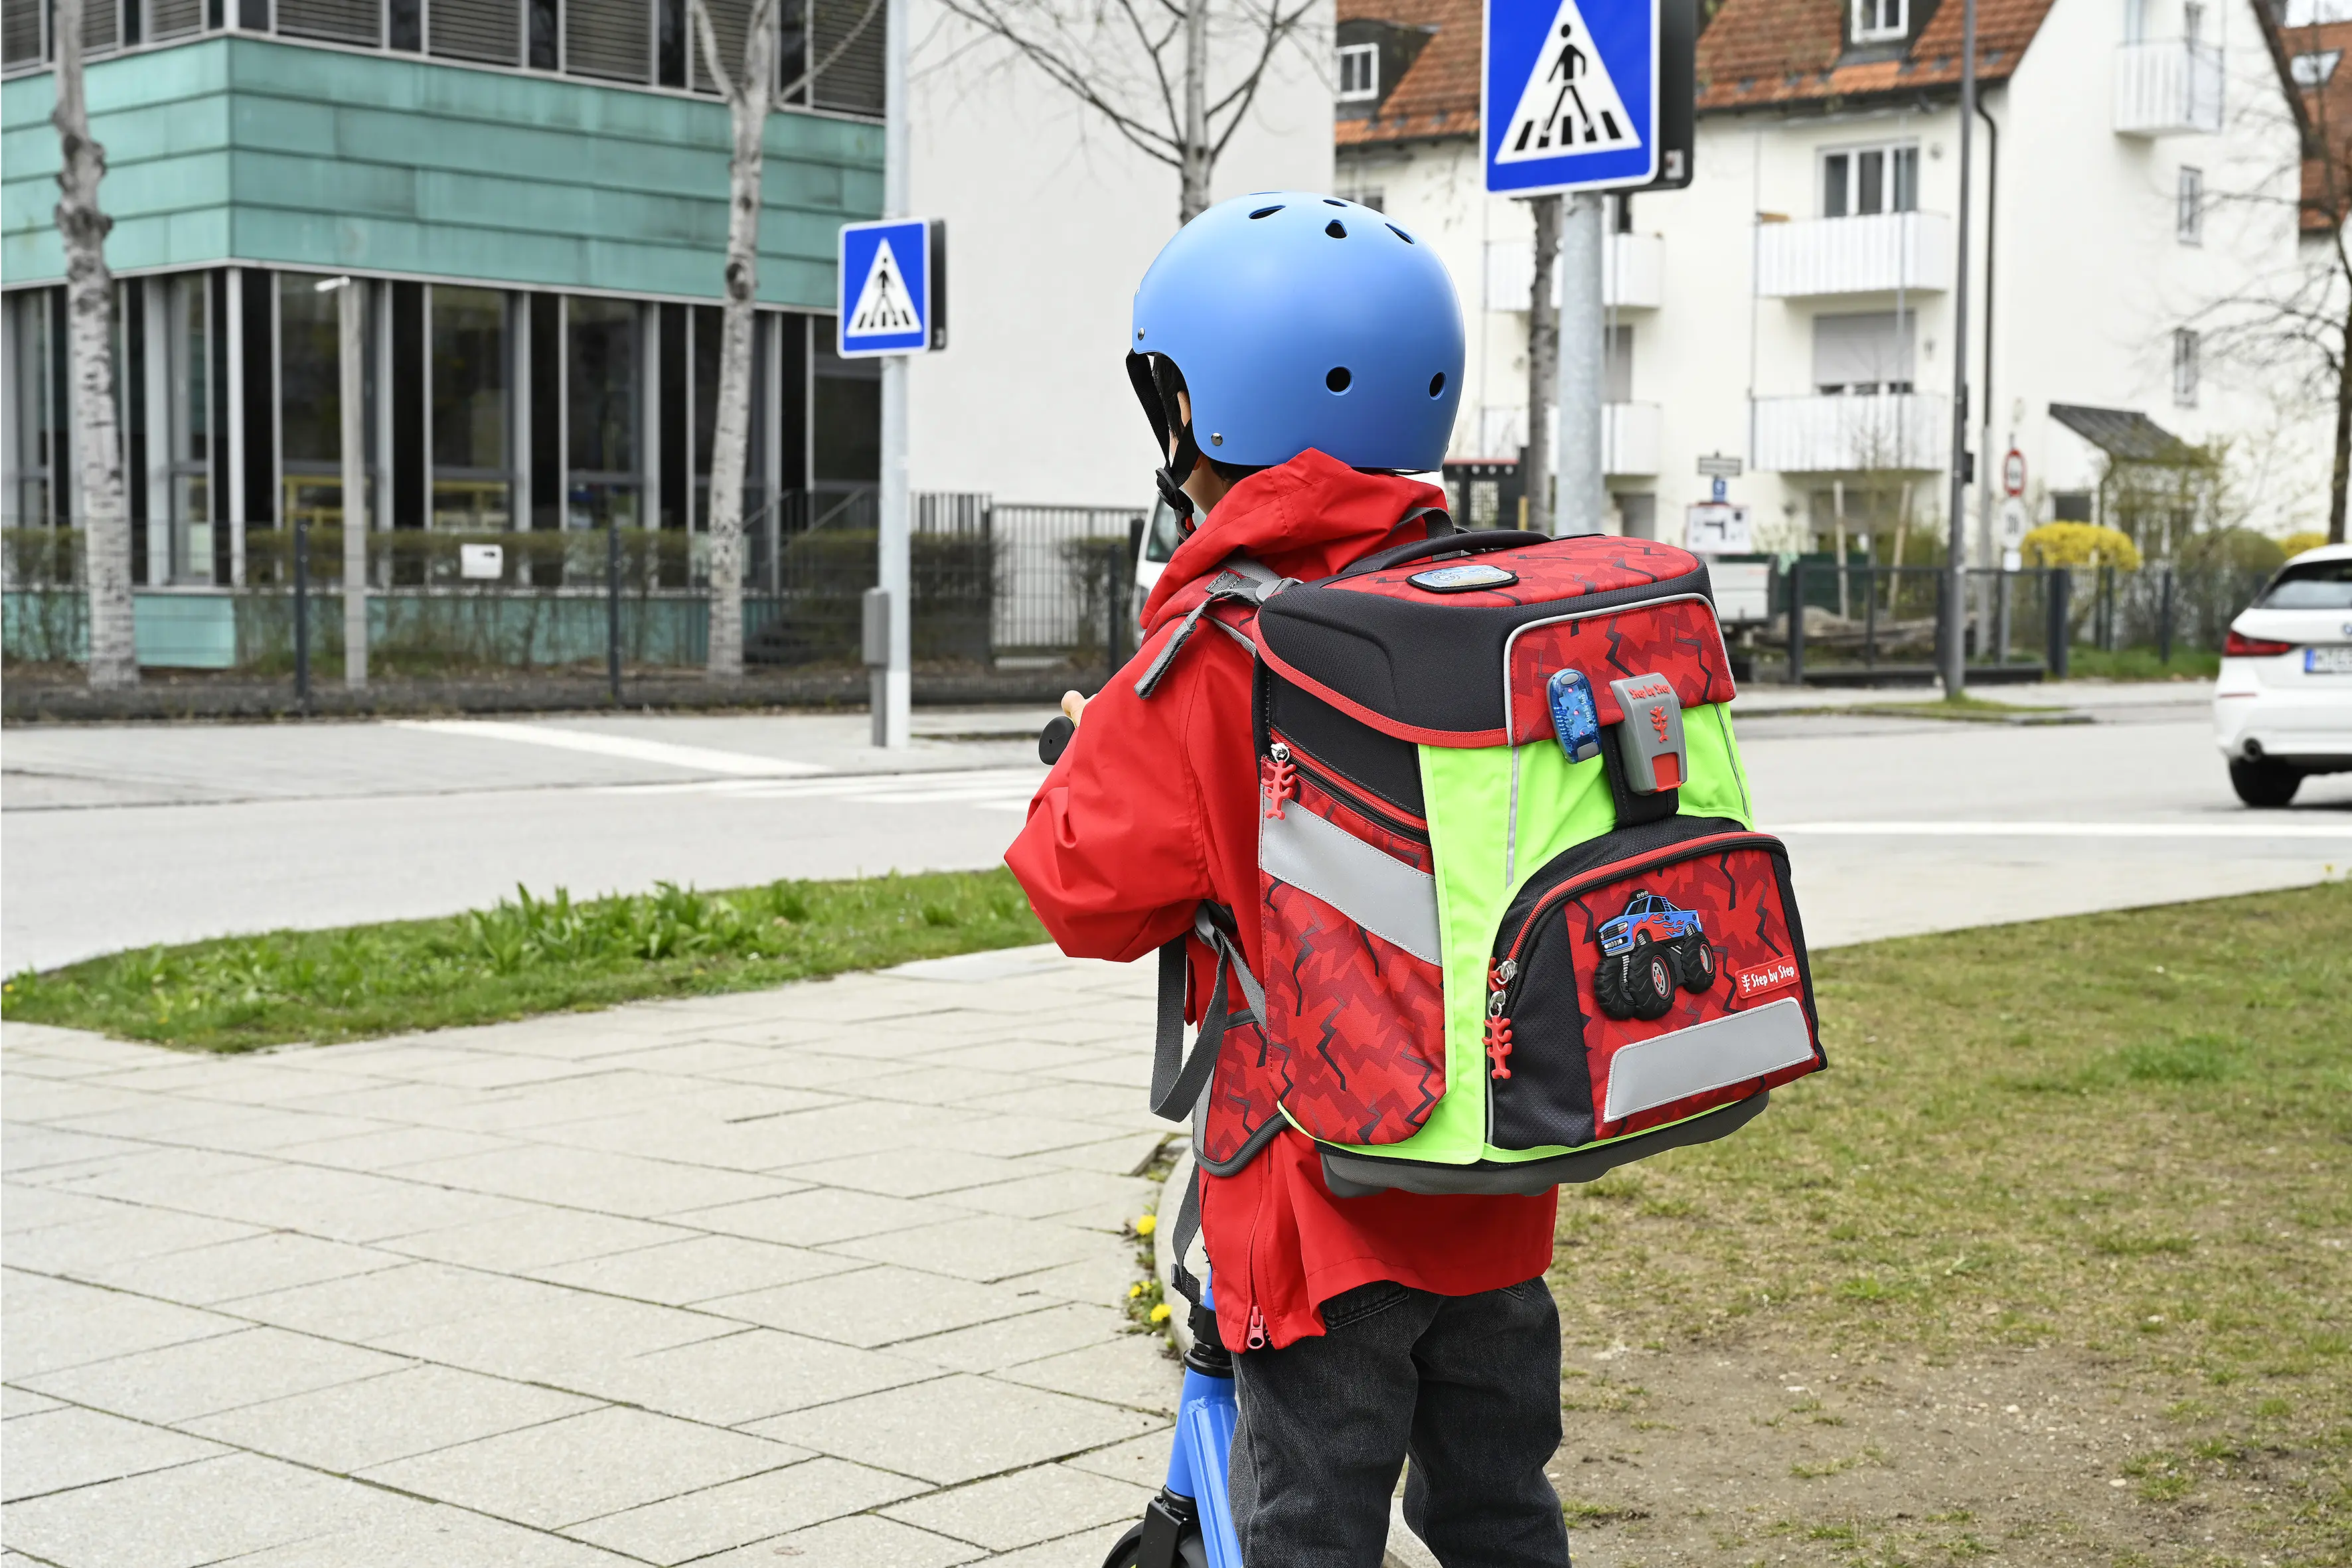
1571	95
890	290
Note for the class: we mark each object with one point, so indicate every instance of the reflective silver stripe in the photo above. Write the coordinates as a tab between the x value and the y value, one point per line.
1712	1054
1393	900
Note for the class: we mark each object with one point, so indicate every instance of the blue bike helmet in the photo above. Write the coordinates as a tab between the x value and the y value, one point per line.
1295	321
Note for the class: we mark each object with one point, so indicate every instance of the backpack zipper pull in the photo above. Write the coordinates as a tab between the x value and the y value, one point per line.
1256	1331
1284	784
1499	1027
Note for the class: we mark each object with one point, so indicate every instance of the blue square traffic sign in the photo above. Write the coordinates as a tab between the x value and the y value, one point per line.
1570	100
884	296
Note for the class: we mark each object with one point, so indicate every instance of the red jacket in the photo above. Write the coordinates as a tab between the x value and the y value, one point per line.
1153	808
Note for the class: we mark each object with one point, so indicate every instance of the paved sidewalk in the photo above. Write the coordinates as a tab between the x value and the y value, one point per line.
827	1275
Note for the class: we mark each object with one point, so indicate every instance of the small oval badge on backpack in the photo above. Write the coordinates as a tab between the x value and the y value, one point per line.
1462	578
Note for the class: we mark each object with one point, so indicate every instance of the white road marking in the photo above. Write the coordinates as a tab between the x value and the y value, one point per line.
2283	829
702	759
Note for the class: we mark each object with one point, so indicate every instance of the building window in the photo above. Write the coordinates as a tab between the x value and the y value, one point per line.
2184	368
472	485
1863	353
1859	180
2189	211
2313	70
604	355
1874	20
1359	72
35	410
310	406
185	366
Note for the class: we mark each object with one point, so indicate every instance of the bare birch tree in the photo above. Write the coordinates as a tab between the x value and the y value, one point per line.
90	301
1144	66
752	93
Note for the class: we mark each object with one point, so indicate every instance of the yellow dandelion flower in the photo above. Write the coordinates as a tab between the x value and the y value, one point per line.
1147	1225
1162	1313
1135	1290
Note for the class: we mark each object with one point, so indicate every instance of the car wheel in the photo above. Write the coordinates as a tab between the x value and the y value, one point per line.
1612	986
1649	980
1694	964
1191	1553
2261	783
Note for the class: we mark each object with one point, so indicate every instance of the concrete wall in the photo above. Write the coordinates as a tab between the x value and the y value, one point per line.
1051	219
246	149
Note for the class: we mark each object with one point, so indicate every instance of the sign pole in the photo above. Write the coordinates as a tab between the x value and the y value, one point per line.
893	684
1582	342
1955	649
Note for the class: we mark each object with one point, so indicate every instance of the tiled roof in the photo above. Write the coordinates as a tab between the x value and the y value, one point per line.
2122	433
1439	95
1756	53
1761	53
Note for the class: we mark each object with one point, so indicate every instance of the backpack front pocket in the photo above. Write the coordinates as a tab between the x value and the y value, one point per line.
1352	981
1643	977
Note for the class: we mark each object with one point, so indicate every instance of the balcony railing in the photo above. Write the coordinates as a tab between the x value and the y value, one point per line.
1629	437
2171	87
1855	433
1875	254
1633	271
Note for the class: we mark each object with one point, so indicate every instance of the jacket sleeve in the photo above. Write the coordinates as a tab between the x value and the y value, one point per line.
1114	855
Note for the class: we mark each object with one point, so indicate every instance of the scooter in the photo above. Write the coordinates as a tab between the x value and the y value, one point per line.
1190	1523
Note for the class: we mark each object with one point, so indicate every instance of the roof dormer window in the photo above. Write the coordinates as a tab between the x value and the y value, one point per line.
1878	21
1359	72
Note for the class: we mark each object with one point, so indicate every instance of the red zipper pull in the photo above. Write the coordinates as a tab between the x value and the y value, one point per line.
1499	1027
1284	784
1256	1331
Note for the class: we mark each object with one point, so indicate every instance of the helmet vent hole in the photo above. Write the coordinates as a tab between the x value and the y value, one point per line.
1400	234
1437	385
1335	230
1338	379
1333	202
1266	211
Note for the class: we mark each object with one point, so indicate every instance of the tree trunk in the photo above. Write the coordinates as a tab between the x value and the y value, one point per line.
1193	198
747	95
2343	469
1543	369
89	299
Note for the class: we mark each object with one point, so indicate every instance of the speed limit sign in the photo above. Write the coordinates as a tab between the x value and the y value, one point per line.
2012	473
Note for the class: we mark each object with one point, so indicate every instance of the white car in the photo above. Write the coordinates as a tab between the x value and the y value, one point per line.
2283	703
1161	537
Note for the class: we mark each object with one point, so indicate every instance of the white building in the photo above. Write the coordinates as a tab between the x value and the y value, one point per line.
2135	164
1051	219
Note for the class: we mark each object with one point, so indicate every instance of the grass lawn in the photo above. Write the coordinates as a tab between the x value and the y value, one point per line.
528	955
2054	1266
2141	664
1969	709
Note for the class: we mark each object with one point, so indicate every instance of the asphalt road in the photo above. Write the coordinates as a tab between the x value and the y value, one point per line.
113	836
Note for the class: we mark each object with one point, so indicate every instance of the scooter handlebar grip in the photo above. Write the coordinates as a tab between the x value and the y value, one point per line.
1055	739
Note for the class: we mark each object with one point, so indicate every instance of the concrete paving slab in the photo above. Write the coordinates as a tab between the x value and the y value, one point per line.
390	1148
342	1205
1027	1507
1091	1198
607	1182
958	1429
861	1541
1139	1461
747	1376
990	1250
815	1217
737	1512
681	1273
180	1382
355	1426
16	1402
407	1532
1008	1341
585	1467
26	1148
209	1511
551	1343
126	1234
875	1307
53	1324
65	1448
363	1308
905	1173
249	1266
535	1236
1087	1548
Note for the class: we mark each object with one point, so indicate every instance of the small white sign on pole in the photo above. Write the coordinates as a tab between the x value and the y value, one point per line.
1743	590
481	562
1717	528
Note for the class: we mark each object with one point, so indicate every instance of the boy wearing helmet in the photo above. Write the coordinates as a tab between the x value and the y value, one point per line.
1295	355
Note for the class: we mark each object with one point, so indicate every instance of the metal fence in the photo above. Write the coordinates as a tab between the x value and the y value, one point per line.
994	585
1863	624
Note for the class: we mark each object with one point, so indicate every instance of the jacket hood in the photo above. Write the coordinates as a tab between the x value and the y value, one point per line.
1305	519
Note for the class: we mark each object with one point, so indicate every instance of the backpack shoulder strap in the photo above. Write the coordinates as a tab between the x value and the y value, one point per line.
1239	579
1178	1078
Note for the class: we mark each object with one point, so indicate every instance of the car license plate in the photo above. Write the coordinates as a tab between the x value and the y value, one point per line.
2328	661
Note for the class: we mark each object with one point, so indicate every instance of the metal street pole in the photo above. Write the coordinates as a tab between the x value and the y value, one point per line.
1582	498
893	684
1955	650
351	319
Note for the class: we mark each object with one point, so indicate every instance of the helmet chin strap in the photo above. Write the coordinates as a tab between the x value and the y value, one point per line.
1187	456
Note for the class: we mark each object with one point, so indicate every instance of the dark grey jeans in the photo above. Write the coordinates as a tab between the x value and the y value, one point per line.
1467	1386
